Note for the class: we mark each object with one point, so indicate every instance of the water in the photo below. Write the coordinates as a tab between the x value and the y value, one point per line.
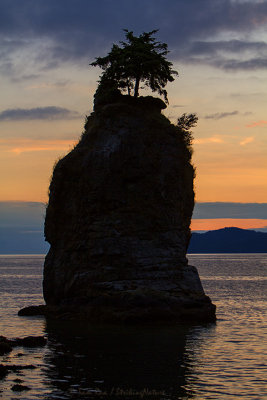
82	361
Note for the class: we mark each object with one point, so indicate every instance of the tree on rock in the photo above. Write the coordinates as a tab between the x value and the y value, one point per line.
185	123
141	59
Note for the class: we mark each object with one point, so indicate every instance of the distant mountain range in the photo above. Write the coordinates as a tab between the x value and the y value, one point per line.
228	240
30	240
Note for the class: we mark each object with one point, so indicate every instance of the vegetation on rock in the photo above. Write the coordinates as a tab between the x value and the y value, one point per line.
185	123
141	59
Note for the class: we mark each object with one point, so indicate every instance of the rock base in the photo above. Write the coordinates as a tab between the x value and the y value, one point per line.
138	308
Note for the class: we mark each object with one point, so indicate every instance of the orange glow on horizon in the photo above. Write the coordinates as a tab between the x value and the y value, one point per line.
28	145
219	223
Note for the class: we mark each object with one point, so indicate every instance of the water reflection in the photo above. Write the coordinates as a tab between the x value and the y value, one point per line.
122	361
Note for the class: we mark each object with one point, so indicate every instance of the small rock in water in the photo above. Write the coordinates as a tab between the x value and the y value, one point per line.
19	388
19	367
5	345
32	310
18	380
3	371
30	341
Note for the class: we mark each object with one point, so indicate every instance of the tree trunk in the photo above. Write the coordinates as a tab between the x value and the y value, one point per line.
136	87
129	87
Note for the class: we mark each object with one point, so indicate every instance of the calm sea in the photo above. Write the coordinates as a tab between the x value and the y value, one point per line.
225	360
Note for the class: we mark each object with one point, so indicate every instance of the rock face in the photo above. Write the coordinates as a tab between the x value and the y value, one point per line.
118	220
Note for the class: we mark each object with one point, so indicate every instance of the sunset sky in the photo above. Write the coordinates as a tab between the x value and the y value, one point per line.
219	48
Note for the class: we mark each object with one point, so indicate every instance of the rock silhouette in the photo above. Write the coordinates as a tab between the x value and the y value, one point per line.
118	219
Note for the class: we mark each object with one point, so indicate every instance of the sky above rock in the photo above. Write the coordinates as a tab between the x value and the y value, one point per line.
219	48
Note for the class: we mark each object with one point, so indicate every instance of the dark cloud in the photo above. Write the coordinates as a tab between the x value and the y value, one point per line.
221	115
45	113
230	46
246	65
220	54
230	210
9	69
77	31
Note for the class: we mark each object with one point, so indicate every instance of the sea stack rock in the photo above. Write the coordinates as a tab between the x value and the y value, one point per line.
118	220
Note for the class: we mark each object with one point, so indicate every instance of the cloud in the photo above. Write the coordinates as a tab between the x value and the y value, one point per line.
228	55
212	210
213	139
221	115
230	46
19	150
49	85
65	31
18	147
257	123
247	140
43	113
246	65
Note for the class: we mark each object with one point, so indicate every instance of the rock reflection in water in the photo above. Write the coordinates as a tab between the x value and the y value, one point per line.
117	359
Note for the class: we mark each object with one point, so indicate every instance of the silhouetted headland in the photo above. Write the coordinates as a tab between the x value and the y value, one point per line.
228	240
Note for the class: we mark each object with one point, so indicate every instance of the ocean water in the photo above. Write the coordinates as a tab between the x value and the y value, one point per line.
223	360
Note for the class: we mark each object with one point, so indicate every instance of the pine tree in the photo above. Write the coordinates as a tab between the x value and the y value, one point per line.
141	59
